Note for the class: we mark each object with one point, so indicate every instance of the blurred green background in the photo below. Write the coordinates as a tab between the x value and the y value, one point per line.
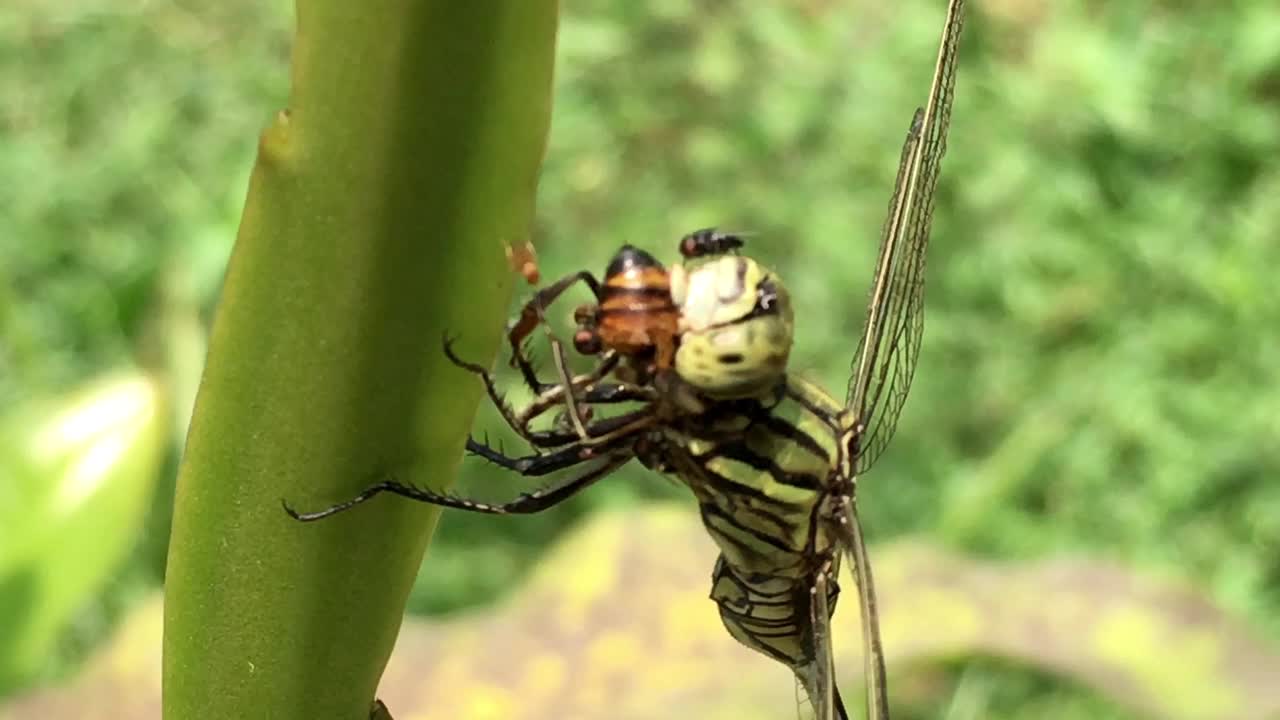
1098	376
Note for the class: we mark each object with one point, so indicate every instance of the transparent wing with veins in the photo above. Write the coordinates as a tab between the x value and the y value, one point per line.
849	531
890	345
821	675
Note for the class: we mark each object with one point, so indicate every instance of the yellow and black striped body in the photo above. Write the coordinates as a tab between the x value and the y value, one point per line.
771	459
761	469
763	459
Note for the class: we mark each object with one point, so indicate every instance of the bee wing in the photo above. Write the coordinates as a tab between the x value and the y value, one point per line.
886	359
849	534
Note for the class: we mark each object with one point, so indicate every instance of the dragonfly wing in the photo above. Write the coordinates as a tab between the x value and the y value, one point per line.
822	692
886	359
849	532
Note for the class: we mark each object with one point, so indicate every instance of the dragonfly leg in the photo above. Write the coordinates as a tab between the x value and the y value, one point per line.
520	421
569	396
610	436
531	315
596	393
843	520
841	713
528	503
495	396
603	394
615	449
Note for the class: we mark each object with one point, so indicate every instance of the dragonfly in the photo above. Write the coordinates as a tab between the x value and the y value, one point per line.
772	459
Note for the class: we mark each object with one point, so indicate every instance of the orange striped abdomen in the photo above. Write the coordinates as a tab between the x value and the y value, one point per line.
636	314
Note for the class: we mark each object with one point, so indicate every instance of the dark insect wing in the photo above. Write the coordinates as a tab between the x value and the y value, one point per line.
890	344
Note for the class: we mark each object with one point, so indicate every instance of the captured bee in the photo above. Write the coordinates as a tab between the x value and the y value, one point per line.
635	316
632	330
771	459
633	319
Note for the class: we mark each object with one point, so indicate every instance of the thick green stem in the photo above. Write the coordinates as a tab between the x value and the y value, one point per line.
375	222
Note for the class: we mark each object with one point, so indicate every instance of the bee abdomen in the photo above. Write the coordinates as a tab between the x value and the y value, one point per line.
635	302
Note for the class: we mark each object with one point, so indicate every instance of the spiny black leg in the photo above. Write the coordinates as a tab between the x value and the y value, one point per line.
499	400
608	361
528	373
603	432
543	498
562	372
365	494
525	504
535	465
596	392
558	437
531	316
447	342
606	393
491	389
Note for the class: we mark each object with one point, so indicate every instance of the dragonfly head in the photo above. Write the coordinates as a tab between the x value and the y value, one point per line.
735	326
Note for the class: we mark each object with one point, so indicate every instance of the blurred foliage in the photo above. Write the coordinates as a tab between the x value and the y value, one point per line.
632	640
1101	340
127	137
78	475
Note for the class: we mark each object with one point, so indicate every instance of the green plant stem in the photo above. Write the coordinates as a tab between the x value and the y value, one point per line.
375	222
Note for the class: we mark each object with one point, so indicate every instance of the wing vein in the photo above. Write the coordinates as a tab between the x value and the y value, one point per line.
885	361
